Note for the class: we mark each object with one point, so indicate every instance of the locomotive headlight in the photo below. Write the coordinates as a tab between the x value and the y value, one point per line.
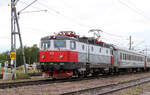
51	63
61	56
43	56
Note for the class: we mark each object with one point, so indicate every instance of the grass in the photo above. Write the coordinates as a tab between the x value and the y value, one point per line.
20	90
136	91
8	90
29	71
22	76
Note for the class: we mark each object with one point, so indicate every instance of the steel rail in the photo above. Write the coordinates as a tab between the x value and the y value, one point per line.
109	88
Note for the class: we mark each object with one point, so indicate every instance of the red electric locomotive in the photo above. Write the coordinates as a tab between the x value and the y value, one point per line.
66	55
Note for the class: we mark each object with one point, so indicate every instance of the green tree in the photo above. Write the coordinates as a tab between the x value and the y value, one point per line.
4	57
31	55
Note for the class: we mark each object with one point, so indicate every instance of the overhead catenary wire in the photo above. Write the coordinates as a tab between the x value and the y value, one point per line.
134	10
46	6
114	35
25	3
34	11
131	3
27	6
75	21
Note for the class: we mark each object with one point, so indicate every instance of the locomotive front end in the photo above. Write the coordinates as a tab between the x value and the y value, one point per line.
56	58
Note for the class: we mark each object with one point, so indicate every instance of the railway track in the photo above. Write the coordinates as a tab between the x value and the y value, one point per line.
109	88
49	81
40	82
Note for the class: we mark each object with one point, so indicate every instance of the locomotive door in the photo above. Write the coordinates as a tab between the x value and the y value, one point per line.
115	54
88	53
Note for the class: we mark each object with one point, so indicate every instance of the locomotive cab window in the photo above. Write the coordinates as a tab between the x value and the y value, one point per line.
72	45
45	45
59	43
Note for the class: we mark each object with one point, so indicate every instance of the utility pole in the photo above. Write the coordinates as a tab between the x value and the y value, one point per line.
130	43
15	30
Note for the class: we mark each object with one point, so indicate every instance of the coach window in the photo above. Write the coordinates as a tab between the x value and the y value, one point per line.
125	56
134	58
138	58
129	57
83	47
72	44
121	56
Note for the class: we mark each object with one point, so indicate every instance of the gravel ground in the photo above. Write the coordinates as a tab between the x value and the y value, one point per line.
58	88
143	89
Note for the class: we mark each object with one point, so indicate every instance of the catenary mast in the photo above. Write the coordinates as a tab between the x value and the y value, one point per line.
15	30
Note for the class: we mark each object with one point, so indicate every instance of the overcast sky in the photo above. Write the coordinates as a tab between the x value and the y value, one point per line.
118	19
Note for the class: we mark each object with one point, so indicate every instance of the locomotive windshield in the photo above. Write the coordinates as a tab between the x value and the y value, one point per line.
45	45
59	43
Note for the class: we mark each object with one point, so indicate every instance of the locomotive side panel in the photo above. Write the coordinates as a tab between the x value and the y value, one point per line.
100	56
82	52
97	56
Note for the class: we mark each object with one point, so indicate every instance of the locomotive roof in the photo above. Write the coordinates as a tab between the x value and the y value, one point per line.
89	40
